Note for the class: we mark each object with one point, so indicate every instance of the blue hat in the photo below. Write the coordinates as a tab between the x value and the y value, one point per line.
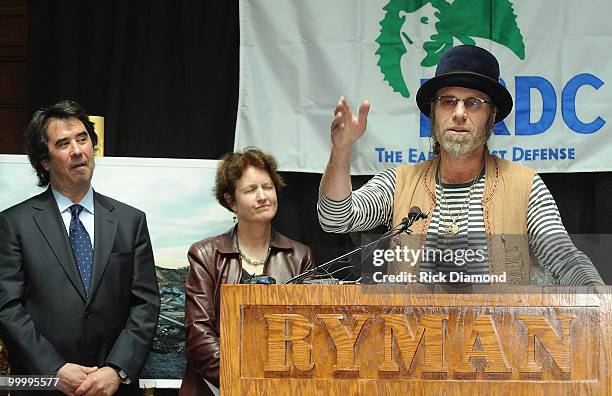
471	67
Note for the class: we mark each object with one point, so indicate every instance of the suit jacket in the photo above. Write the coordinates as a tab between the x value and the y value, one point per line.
46	319
213	262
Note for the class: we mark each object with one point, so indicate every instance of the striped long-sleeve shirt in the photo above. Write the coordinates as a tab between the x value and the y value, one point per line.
372	205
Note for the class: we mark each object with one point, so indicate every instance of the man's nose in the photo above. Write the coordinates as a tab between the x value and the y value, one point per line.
459	111
75	150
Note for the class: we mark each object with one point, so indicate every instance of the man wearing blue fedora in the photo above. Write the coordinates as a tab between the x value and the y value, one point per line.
499	210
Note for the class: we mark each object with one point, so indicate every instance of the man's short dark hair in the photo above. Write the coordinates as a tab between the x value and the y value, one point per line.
36	137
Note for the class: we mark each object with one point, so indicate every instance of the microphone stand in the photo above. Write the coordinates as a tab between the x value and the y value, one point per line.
403	227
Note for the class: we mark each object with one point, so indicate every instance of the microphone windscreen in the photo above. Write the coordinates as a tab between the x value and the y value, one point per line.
414	211
266	280
261	280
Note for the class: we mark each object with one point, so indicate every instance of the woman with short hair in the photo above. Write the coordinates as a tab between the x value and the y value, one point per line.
247	184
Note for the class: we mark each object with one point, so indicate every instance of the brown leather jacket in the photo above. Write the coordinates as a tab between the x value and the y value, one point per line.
212	262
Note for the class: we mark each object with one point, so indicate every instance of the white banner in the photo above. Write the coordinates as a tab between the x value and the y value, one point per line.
298	57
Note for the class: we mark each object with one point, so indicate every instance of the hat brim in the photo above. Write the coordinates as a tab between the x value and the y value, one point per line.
498	93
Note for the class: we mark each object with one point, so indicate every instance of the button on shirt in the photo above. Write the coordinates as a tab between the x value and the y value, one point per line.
86	216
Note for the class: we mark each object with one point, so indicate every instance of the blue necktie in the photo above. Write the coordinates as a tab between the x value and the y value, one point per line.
81	246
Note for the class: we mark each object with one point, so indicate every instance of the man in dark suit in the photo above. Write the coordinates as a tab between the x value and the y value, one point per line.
78	290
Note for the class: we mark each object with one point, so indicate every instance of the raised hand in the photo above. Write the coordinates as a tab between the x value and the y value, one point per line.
346	128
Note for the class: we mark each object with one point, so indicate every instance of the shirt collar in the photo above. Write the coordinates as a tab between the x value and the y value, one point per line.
63	202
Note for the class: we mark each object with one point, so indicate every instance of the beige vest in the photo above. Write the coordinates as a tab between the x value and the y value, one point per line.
504	203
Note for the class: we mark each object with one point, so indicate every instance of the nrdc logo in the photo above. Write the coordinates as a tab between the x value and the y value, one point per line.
411	27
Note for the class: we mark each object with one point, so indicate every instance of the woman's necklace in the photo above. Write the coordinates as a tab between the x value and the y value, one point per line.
254	263
452	227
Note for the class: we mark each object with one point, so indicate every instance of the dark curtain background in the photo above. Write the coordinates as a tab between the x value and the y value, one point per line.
165	76
163	73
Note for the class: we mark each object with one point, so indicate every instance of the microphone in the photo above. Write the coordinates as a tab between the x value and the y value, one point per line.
414	214
260	280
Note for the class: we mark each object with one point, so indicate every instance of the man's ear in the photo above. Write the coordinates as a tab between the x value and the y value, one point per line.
45	164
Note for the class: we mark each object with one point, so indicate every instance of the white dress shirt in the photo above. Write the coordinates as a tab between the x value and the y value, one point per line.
86	216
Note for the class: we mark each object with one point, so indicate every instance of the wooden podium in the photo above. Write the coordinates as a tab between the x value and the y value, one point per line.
388	340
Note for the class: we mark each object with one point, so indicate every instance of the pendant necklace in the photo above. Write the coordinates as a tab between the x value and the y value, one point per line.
452	227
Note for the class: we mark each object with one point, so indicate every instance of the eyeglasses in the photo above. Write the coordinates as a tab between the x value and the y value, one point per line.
472	105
